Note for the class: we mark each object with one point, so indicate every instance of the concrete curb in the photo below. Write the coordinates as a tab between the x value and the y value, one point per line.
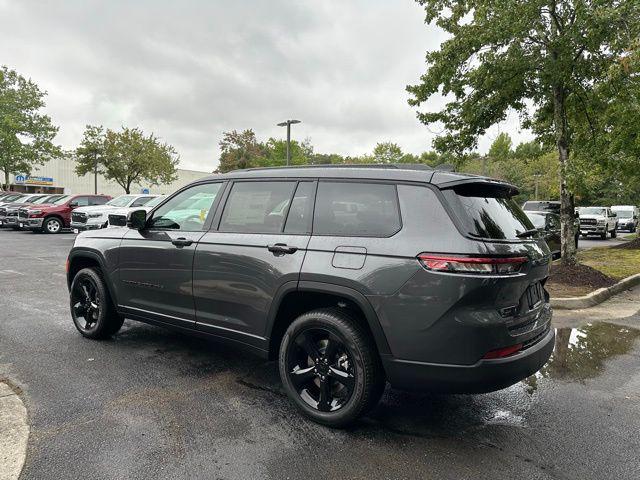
597	297
14	432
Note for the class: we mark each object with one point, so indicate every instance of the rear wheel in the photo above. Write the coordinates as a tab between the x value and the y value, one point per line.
330	368
52	225
92	310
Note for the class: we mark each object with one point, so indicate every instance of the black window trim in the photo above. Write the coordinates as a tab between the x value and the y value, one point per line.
394	184
296	181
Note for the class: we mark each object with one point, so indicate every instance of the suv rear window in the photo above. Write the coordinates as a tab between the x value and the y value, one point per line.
356	209
487	212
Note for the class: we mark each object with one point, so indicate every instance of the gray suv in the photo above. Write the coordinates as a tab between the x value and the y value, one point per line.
349	276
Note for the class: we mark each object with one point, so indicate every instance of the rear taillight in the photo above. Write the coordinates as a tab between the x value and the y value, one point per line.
474	265
503	352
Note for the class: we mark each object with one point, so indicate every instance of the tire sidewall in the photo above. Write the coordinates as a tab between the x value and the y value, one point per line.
352	409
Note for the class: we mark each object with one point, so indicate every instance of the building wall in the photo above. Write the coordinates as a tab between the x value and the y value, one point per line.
65	180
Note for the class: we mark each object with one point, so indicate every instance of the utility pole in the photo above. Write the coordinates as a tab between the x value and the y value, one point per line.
95	173
288	124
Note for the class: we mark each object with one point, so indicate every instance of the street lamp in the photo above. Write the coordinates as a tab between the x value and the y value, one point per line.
288	124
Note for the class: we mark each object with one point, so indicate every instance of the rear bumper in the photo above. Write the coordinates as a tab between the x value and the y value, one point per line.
484	376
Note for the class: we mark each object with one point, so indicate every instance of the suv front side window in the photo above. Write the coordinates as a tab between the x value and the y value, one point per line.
188	210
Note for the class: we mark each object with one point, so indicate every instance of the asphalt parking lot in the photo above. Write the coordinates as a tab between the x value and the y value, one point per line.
594	242
155	404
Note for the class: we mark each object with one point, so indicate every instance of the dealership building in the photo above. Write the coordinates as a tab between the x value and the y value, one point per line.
59	176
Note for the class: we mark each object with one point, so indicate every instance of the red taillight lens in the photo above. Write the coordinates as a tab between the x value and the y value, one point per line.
476	265
66	266
503	352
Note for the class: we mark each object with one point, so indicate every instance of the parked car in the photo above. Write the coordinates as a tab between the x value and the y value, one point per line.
627	216
597	221
96	216
11	198
118	217
552	206
548	224
56	216
433	281
7	218
9	213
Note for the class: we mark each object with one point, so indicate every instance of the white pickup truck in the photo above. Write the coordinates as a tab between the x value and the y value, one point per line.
597	221
94	217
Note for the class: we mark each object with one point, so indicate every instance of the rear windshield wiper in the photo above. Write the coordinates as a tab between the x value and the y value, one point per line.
528	233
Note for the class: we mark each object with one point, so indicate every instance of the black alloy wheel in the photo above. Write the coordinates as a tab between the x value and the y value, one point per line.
92	311
85	304
321	368
330	367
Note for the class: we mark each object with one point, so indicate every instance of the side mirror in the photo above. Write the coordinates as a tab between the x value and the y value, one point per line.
614	214
635	217
137	219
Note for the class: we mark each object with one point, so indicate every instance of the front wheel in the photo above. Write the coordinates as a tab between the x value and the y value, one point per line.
52	225
614	233
92	310
330	368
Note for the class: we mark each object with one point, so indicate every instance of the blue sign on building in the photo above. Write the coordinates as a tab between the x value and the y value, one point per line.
145	191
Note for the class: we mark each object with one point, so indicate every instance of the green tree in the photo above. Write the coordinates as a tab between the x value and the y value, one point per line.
127	157
90	152
543	56
387	152
239	150
26	134
501	148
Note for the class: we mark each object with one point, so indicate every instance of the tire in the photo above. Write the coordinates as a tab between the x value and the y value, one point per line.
352	374
52	225
603	236
99	320
614	233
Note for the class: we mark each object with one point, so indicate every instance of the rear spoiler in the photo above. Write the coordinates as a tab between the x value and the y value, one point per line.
481	185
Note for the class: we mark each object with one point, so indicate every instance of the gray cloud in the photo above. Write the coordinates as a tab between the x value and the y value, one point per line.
188	71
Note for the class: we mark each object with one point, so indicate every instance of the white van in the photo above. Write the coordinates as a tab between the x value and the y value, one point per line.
627	217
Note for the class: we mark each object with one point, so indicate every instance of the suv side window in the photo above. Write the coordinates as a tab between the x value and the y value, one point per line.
257	207
81	201
188	210
356	209
301	210
140	201
98	200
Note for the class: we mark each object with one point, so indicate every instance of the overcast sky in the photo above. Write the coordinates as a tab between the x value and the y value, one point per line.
189	70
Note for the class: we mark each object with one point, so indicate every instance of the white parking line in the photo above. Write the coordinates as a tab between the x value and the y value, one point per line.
14	433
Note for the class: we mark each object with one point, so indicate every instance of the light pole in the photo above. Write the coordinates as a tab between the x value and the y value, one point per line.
288	124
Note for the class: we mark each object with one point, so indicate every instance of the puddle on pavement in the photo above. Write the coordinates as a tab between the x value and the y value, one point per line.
580	353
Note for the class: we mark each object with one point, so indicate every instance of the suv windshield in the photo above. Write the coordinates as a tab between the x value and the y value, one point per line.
121	201
487	212
542	206
592	211
624	213
61	200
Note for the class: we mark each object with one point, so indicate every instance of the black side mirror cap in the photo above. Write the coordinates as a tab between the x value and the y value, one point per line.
137	219
118	220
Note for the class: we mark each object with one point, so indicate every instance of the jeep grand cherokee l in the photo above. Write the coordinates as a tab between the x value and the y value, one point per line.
349	276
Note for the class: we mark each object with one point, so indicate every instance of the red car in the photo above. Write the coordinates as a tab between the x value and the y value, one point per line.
53	217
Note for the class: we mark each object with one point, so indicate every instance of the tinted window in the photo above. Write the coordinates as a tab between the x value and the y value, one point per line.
138	202
257	207
356	209
487	212
537	219
98	200
187	210
81	201
301	210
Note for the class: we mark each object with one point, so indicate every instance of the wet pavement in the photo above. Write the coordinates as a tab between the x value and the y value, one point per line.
155	404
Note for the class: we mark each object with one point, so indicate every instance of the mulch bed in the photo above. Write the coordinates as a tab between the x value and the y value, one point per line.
579	275
630	245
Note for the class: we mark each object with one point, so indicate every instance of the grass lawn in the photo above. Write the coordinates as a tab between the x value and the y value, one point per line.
617	263
631	236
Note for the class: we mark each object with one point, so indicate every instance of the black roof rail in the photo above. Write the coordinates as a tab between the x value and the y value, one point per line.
403	166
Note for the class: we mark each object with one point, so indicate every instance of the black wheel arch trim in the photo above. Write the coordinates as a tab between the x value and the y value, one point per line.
321	287
80	252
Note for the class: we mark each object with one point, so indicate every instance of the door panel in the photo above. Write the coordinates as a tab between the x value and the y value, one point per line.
156	275
235	278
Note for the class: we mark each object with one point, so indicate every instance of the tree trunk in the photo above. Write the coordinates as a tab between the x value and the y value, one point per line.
6	180
568	249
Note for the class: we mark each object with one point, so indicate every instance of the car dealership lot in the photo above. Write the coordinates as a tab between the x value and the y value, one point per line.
156	404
